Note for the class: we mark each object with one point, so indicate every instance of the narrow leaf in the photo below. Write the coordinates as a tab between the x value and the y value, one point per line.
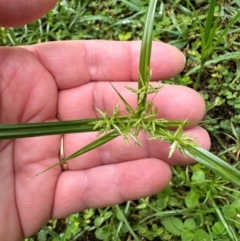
127	106
98	142
146	47
13	131
229	228
209	21
214	163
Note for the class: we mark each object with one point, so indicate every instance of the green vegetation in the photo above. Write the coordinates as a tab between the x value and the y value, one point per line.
198	204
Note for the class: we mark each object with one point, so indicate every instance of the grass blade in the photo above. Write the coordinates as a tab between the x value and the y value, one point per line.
124	219
126	210
228	227
98	142
209	21
127	106
12	131
214	163
146	48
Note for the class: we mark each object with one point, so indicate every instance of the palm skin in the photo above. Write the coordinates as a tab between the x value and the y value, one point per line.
67	80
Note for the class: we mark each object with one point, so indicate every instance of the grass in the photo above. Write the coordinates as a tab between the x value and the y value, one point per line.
197	204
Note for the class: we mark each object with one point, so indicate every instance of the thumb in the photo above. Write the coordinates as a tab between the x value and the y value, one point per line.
15	13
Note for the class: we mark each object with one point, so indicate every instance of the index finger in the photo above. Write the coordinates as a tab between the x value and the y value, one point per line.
74	63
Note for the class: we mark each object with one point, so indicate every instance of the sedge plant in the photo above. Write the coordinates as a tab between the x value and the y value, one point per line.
143	118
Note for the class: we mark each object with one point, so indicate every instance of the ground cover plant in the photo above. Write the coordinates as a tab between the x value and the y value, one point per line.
198	204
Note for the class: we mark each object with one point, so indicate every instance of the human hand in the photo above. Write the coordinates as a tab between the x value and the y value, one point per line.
68	80
65	79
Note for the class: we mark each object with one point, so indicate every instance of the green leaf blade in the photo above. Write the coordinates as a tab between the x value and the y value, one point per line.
214	163
146	48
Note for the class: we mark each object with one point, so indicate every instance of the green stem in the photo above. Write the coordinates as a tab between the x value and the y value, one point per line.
122	217
121	222
12	131
145	54
214	163
229	228
23	130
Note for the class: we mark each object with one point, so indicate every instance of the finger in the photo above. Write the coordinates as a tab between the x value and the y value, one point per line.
74	63
9	211
108	185
172	101
15	12
118	151
31	156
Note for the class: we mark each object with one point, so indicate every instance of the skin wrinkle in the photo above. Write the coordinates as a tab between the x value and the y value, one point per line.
35	53
8	84
44	59
6	87
91	61
64	203
117	183
85	191
39	111
50	118
64	206
100	154
4	59
21	119
7	174
111	199
4	144
38	205
131	61
13	182
12	78
96	99
86	64
84	180
82	79
146	145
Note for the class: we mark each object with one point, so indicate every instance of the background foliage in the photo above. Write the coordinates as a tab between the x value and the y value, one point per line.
197	205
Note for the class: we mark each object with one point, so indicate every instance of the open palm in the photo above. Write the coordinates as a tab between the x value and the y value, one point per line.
67	80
